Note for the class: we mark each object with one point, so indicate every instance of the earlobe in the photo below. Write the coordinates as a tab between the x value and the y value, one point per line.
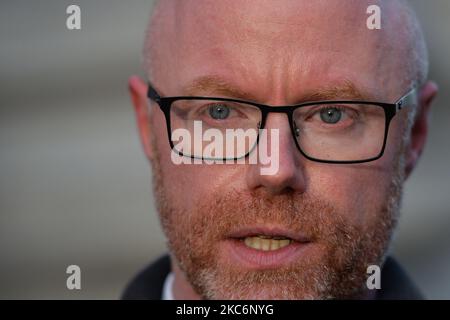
138	94
419	130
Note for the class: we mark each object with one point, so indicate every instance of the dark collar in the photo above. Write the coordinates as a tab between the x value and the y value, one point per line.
148	284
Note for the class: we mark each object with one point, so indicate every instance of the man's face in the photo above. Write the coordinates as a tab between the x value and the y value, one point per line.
337	218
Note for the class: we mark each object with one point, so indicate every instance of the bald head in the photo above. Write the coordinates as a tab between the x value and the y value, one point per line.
175	26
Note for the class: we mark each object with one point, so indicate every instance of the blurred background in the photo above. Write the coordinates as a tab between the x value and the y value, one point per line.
75	186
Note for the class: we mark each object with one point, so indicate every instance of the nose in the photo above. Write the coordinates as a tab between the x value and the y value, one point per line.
290	174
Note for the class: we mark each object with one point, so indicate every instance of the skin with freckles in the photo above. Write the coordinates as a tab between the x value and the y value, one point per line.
281	53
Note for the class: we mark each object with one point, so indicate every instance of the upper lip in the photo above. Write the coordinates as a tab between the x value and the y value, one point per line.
268	231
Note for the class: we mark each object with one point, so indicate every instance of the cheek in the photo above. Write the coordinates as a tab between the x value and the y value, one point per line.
180	184
358	192
187	184
361	191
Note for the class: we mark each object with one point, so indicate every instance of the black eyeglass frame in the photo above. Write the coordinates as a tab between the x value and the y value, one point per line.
390	110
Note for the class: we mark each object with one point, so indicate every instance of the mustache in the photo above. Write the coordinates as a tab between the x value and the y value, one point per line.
301	213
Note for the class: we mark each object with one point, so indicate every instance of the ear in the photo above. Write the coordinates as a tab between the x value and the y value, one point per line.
419	130
138	93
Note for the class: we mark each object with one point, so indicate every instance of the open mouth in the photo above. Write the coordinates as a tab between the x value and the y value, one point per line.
265	247
266	239
266	243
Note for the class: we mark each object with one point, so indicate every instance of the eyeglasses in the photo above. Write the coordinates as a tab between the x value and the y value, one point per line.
324	131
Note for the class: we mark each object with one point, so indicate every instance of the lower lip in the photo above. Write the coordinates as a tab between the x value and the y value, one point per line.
258	259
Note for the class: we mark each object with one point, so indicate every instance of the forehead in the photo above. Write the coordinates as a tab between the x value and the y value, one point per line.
283	46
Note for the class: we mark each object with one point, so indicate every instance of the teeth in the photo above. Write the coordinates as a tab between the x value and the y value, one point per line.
266	243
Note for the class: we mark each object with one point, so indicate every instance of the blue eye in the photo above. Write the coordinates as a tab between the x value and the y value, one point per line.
330	115
219	111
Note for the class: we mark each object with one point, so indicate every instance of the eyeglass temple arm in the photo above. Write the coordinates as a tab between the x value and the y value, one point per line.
152	94
408	100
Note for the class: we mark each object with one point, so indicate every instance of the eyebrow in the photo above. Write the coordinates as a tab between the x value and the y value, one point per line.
217	86
345	90
214	85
